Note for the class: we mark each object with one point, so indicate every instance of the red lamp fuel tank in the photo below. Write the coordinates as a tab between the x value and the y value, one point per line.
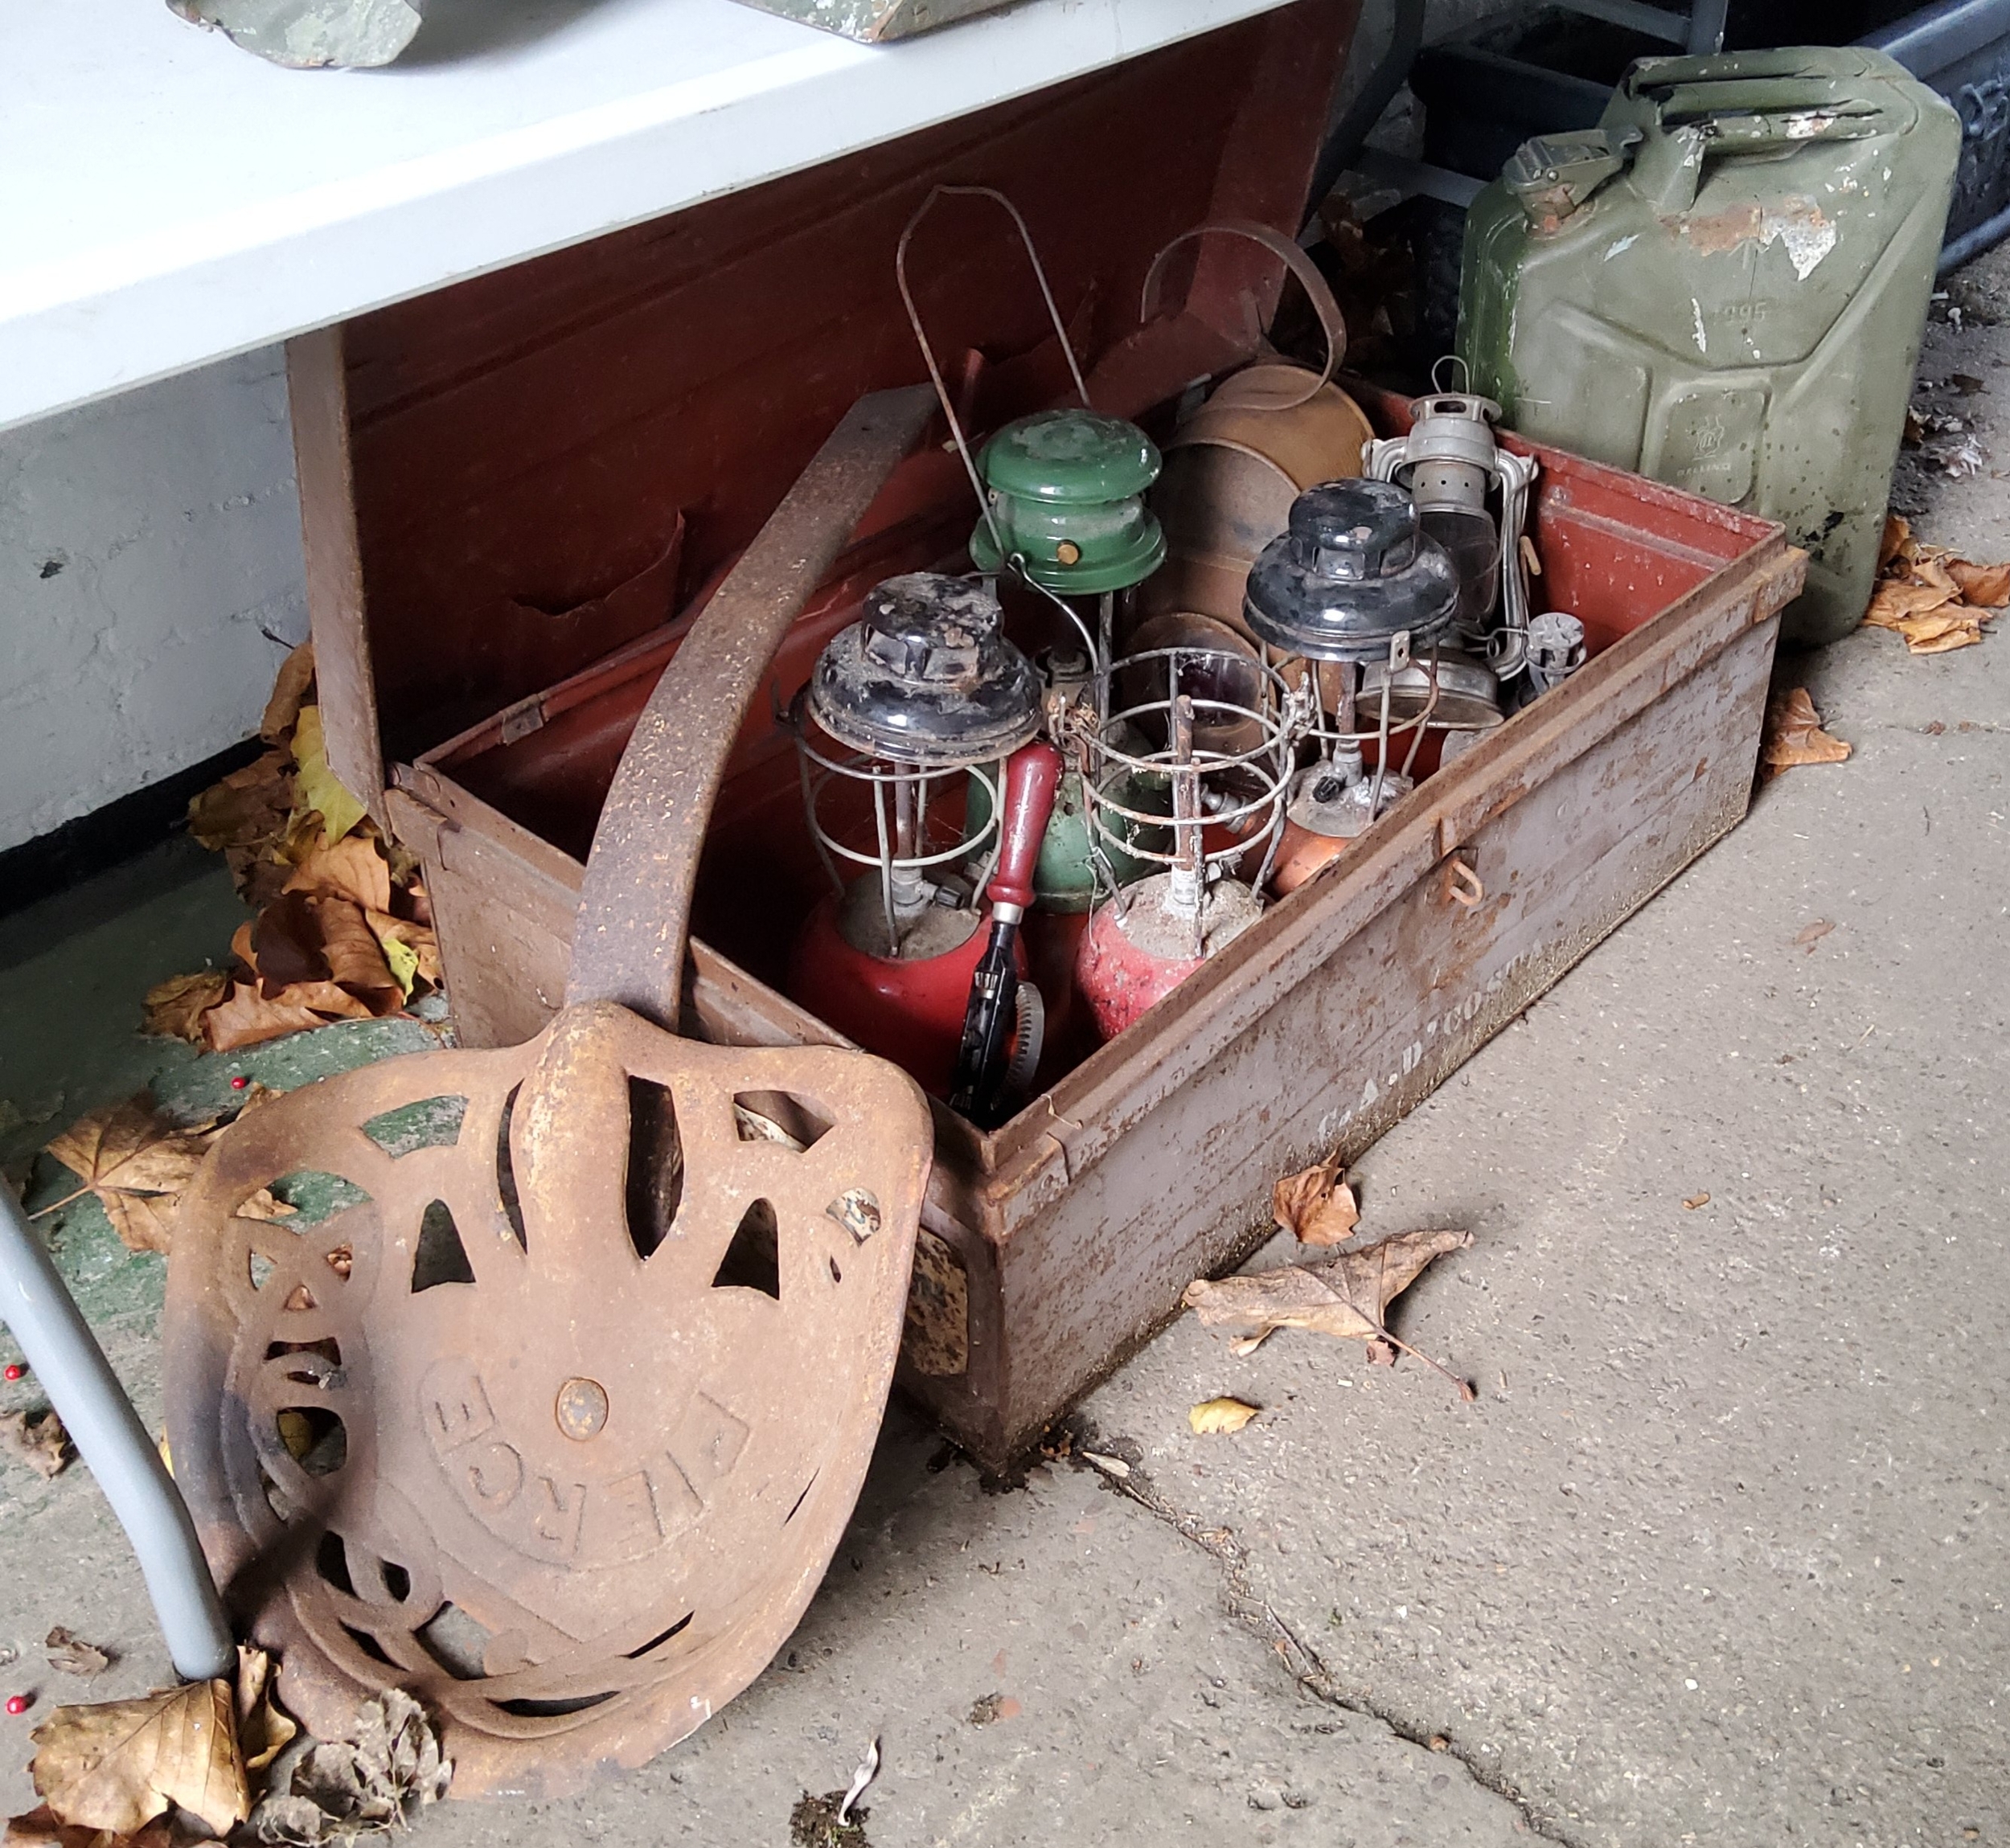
921	695
1213	728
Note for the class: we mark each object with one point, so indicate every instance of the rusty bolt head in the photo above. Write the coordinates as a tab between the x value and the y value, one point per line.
581	1408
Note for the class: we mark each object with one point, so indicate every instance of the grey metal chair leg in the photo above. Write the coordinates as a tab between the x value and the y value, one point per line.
108	1435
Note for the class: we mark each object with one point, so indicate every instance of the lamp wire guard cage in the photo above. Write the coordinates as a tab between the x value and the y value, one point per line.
1330	703
1215	734
899	804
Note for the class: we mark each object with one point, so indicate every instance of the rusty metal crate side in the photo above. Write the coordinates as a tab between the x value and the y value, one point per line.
1167	1048
1391	1011
1055	1280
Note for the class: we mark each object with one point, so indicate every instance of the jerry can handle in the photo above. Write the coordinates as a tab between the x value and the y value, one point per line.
1734	130
1831	68
1750	100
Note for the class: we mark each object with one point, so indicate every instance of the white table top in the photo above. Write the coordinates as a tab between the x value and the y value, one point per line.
166	199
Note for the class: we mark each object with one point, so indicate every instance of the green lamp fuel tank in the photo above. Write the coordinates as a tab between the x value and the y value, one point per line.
1723	286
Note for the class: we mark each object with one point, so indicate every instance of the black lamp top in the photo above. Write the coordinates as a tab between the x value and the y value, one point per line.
926	676
1350	570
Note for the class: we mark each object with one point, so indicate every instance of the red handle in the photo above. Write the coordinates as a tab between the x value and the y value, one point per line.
1033	774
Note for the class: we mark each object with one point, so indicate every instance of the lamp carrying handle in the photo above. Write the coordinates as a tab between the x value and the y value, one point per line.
1296	261
957	434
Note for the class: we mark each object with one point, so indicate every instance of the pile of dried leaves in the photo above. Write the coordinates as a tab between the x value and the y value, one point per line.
334	1792
136	1161
215	1760
1347	1294
1937	599
1945	440
344	931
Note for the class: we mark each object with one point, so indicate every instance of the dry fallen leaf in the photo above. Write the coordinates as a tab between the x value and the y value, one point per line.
247	811
1213	1416
320	789
1793	734
41	1443
410	949
1694	1201
335	1792
39	1829
1316	1206
1810	935
1935	631
265	1205
136	1163
289	694
174	1009
354	960
1895	599
353	868
246	1018
299	941
1896	541
72	1655
1347	1294
1983	586
262	1730
117	1766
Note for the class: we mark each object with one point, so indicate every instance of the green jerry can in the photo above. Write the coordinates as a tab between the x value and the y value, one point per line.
1723	286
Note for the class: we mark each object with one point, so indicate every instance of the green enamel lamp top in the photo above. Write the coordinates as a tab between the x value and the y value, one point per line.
1066	500
1070	457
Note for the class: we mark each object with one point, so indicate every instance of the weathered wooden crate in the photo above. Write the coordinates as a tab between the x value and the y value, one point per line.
516	491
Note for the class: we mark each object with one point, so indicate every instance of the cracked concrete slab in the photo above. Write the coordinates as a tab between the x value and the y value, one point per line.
1717	1555
1123	1689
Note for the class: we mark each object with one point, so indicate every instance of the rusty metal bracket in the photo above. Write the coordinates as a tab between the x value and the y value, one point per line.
551	1403
1460	884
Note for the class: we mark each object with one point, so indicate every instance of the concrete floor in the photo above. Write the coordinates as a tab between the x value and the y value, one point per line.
1718	1557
